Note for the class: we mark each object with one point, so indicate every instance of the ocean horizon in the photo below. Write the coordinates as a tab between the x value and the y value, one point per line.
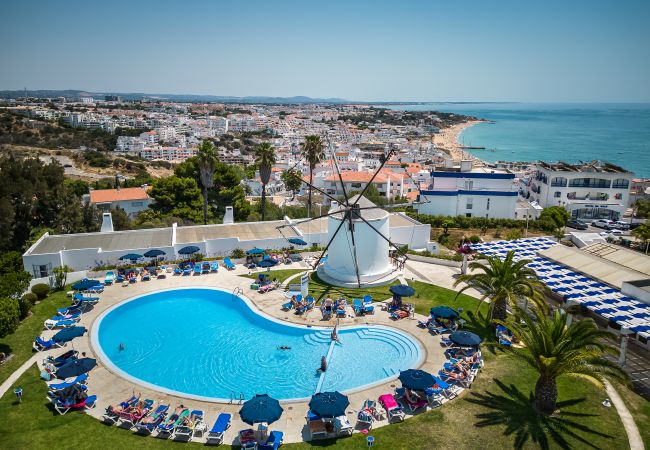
618	133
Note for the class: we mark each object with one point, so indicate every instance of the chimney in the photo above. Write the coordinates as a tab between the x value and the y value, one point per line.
466	165
229	216
107	223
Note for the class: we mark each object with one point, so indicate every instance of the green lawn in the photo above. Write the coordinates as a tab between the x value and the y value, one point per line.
319	290
20	342
494	414
280	274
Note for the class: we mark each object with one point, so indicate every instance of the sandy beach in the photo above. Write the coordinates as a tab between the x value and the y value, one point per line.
447	140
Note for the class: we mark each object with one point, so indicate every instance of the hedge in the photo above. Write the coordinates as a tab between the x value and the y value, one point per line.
41	290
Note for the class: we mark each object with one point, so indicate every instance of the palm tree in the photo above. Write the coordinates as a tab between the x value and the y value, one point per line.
313	151
554	348
503	283
643	232
207	160
265	159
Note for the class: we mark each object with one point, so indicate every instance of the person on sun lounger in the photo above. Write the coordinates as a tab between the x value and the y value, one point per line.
295	303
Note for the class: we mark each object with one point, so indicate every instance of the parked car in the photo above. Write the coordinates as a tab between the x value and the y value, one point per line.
620	225
634	225
602	223
612	233
578	225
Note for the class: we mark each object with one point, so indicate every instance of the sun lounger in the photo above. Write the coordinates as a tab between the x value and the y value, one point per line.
214	266
205	267
71	310
119	278
137	413
309	304
112	411
287	306
188	427
187	271
361	309
343	426
215	435
82	298
66	384
150	422
40	345
317	428
167	426
50	324
411	405
98	289
273	442
228	264
63	406
364	419
178	271
62	359
393	410
247	439
197	269
268	287
110	277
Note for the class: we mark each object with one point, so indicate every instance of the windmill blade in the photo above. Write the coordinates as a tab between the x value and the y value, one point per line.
338	172
328	244
381	166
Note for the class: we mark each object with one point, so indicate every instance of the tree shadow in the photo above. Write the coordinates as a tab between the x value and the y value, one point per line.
514	410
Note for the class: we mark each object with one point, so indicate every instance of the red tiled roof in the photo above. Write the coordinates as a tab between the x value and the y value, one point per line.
116	195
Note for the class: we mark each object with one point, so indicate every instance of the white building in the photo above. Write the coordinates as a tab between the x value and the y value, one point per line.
596	190
131	200
168	153
470	192
166	134
218	124
129	144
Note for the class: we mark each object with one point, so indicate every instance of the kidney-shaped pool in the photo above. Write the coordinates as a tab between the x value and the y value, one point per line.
210	344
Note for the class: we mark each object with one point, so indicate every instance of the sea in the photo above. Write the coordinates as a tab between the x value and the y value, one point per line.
571	132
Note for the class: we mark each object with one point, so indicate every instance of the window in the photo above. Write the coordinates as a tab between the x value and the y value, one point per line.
136	204
468	214
469	185
470	203
589	182
488	204
621	183
355	185
558	182
557	194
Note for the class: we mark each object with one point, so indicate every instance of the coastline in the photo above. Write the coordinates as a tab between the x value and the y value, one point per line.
448	140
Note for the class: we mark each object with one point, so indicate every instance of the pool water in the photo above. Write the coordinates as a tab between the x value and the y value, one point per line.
210	344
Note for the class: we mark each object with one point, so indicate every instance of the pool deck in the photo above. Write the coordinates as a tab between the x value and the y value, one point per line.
112	388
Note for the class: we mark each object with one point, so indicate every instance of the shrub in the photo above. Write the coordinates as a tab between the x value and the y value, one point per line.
511	235
197	256
25	305
31	297
41	290
474	239
9	316
238	253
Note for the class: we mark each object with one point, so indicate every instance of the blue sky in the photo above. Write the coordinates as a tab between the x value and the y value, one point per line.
570	51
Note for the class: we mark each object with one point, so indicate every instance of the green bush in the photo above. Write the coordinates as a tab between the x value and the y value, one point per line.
25	305
41	290
511	235
31	297
238	253
9	316
474	239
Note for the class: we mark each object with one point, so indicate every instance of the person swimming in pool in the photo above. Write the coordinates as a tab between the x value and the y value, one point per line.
284	347
323	365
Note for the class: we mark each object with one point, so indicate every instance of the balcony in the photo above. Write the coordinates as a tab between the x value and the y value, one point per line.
592	196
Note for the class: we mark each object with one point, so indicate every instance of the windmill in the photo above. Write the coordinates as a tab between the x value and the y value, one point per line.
356	218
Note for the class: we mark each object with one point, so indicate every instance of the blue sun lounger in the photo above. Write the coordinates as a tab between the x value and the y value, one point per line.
178	271
273	442
110	277
215	435
62	359
66	384
82	298
197	269
214	266
68	310
228	263
40	345
151	422
187	271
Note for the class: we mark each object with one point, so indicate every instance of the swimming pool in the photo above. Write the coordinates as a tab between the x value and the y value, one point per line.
209	344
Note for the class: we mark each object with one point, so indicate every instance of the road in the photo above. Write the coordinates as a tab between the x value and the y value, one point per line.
70	168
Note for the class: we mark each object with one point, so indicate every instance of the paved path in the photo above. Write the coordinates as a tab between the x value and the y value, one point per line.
633	435
17	374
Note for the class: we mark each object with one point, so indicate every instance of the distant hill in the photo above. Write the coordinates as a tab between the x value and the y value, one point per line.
72	93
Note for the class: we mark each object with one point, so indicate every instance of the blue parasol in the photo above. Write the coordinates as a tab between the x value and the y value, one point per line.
329	404
261	409
188	250
296	241
86	284
266	263
68	334
444	312
130	256
465	338
75	368
417	380
154	253
402	290
256	251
